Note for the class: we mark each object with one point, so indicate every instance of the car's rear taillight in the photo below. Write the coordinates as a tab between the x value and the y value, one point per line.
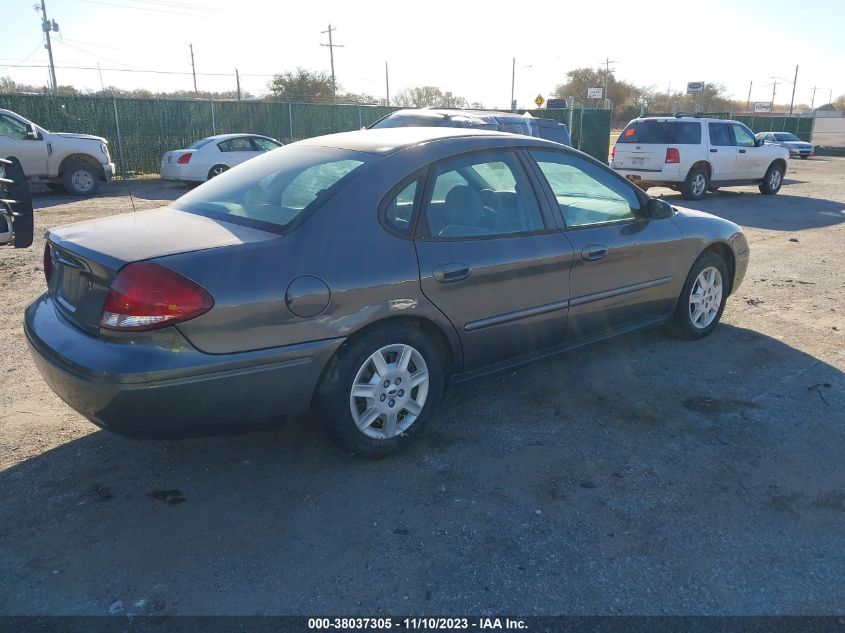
185	158
673	155
146	296
48	262
613	154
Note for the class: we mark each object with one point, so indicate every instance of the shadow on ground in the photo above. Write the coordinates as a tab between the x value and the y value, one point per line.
781	212
642	475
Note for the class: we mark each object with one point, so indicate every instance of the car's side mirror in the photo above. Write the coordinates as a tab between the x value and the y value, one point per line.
658	209
31	132
16	220
758	142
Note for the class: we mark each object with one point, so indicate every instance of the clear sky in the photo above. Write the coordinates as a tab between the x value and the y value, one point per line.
464	47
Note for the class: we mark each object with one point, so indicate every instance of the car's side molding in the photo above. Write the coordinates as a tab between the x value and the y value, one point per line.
508	317
622	290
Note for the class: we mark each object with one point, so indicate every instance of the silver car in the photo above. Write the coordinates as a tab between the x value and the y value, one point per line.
788	140
357	275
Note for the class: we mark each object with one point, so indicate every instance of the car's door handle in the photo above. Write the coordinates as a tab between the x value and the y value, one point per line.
742	151
593	252
713	150
451	272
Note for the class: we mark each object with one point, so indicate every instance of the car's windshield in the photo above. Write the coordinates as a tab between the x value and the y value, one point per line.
199	143
786	136
271	191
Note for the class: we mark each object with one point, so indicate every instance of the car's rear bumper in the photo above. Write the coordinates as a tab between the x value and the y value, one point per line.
178	173
670	174
158	385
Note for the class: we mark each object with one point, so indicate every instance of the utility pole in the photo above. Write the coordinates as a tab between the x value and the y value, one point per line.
238	81
668	94
331	47
607	63
794	83
774	88
748	101
46	27
387	82
513	83
193	68
813	100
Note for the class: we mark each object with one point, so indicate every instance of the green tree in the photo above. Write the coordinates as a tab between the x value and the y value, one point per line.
304	86
428	97
578	81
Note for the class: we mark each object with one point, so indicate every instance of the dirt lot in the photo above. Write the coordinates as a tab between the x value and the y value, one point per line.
642	475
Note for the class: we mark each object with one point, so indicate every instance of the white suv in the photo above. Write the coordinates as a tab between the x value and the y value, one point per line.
693	155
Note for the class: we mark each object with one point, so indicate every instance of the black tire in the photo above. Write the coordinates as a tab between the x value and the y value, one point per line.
57	187
333	401
216	171
695	185
772	181
681	324
81	179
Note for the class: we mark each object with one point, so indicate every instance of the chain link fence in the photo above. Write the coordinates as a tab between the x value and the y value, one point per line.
140	131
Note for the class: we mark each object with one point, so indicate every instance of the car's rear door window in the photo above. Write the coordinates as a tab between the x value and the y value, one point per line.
720	134
240	144
586	194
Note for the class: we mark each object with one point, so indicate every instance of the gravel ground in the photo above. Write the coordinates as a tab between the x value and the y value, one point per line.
640	476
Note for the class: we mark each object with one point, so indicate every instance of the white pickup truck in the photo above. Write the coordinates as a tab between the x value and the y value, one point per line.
75	163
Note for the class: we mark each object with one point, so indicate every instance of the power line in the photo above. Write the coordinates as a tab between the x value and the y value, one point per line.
153	10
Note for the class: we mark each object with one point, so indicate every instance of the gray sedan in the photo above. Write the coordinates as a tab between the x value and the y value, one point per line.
356	275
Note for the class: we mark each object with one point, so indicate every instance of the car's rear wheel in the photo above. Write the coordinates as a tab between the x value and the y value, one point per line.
217	170
81	179
695	185
702	299
772	181
381	389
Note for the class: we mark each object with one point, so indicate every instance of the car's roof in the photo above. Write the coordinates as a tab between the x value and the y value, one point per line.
223	137
385	141
673	119
478	114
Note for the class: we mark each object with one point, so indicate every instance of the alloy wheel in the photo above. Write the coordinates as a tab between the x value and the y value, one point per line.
705	298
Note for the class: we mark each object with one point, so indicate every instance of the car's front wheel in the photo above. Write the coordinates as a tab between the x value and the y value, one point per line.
381	389
695	185
773	180
81	179
702	299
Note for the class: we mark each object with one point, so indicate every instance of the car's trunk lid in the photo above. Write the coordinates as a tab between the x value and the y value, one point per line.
86	256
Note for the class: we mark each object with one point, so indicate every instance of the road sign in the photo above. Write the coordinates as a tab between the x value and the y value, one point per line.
695	86
763	106
539	101
556	104
594	93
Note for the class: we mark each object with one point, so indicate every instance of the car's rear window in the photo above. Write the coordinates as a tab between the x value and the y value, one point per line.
662	132
199	143
273	190
786	136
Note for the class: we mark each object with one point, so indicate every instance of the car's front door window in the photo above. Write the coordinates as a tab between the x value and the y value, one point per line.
12	128
587	194
744	137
